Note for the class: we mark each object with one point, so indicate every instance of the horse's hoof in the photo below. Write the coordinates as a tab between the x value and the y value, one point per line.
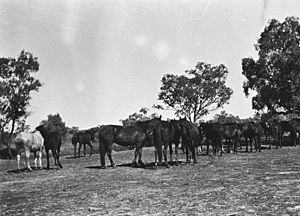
103	167
18	171
141	163
167	165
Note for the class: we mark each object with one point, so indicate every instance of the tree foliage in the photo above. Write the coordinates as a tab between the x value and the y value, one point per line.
224	118
17	82
193	95
142	115
55	123
275	76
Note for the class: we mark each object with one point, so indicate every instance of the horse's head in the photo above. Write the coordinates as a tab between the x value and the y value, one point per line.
42	129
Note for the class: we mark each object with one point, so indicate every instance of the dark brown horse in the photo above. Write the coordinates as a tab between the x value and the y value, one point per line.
169	135
252	133
272	128
174	138
213	132
128	136
233	132
190	137
52	141
84	138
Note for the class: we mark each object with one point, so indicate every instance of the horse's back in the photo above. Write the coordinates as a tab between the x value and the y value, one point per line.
32	141
123	135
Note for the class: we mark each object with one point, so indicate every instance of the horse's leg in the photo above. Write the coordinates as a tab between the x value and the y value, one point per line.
102	151
280	140
236	143
47	155
176	153
140	156
18	158
171	152
207	146
79	149
155	156
222	149
57	159
18	161
84	149
165	151
40	159
187	153
75	146
246	140
259	143
109	151
27	154
35	160
134	163
91	146
194	155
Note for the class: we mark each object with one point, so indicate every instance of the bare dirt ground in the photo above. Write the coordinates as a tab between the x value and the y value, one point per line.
266	183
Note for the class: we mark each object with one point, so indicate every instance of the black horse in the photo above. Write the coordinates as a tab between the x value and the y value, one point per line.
84	138
52	141
136	135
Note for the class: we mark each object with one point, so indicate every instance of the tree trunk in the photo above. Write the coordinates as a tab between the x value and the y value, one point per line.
10	156
8	141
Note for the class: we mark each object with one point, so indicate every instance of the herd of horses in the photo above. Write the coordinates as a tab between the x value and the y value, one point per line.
163	135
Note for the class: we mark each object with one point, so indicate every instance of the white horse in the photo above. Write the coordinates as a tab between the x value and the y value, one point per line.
29	142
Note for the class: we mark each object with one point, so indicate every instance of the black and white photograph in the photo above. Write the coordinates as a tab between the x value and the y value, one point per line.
150	107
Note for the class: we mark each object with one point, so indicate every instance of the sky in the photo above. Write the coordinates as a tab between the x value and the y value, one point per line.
102	60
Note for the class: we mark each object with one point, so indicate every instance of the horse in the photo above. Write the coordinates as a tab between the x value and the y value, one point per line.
154	125
30	142
84	138
274	130
52	141
136	134
190	137
169	136
213	131
253	132
175	136
232	132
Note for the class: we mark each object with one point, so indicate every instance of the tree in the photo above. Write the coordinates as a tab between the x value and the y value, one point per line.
195	95
16	85
225	118
275	76
142	115
55	123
